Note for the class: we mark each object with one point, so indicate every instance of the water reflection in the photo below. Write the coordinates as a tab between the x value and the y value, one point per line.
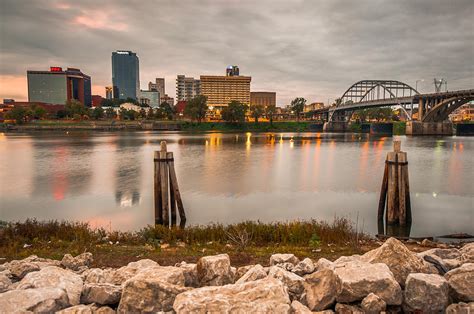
107	178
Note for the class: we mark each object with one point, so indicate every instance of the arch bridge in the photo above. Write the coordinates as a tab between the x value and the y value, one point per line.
434	107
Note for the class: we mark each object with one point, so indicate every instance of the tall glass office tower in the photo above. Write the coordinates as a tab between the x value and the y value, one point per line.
125	74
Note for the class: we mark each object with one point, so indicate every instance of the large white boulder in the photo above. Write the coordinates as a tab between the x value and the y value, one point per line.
320	289
399	259
293	282
267	295
152	290
359	279
460	308
190	274
101	293
76	263
425	293
124	273
254	273
5	282
54	277
373	304
42	300
299	308
304	267
461	283
283	258
214	270
467	253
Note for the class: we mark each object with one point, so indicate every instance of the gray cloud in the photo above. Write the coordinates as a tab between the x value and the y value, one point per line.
314	49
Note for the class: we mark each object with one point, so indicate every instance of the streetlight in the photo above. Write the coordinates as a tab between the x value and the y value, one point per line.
416	84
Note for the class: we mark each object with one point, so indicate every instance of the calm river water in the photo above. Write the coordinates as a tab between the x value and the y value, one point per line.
107	178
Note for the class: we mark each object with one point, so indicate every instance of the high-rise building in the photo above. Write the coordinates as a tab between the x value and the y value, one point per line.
232	70
266	99
150	98
159	85
187	87
57	86
125	74
221	90
108	92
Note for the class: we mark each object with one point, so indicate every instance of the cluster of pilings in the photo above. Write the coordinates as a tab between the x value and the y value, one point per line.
394	202
166	190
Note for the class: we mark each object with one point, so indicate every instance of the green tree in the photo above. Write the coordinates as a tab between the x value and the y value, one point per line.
38	112
97	113
257	111
110	113
168	110
19	114
75	108
196	108
234	112
270	111
297	106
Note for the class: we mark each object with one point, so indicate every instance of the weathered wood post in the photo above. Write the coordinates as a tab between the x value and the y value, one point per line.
166	191
395	190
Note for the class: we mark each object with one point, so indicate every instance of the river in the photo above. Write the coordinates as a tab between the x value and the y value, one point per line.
106	179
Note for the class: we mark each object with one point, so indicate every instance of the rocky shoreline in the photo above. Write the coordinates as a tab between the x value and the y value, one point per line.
389	279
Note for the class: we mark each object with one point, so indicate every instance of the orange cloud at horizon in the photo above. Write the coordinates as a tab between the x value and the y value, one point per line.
13	86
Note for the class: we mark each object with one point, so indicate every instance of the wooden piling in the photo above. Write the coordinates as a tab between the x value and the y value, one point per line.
395	190
166	190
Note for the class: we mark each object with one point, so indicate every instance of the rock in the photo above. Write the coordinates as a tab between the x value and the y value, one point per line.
126	272
359	279
348	259
467	253
425	293
267	295
283	258
399	259
45	300
242	270
190	274
452	263
304	267
101	293
323	263
372	304
19	270
320	289
152	290
75	263
87	309
214	270
285	266
254	273
461	283
54	277
460	308
233	271
428	243
293	282
298	308
97	275
443	253
348	309
5	282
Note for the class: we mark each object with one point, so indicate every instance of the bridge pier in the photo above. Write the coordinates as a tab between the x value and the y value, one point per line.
429	128
336	126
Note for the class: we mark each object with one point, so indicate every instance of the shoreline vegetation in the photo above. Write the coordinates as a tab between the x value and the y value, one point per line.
186	126
246	242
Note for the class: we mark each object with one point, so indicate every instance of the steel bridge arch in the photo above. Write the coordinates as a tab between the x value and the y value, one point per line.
361	89
441	111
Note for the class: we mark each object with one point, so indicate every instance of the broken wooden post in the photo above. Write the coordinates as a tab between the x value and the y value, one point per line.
395	190
167	196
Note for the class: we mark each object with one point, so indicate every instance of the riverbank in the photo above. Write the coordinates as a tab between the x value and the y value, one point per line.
390	277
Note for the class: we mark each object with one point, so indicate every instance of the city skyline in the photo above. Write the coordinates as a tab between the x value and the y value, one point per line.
315	52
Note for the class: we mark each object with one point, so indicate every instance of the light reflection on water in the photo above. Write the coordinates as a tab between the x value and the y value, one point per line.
106	178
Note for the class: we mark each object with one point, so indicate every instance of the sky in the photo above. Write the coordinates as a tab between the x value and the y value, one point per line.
312	49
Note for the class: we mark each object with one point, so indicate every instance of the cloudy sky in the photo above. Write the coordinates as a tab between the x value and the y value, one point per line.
313	49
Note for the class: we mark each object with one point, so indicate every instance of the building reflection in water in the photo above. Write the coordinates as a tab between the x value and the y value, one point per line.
62	167
127	172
